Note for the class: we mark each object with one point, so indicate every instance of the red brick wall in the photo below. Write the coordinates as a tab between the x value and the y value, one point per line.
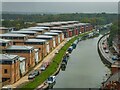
30	58
114	69
42	52
13	71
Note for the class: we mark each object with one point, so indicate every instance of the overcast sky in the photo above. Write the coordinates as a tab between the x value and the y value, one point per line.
60	0
61	7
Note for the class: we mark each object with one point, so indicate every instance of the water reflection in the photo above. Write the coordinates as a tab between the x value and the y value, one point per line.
84	68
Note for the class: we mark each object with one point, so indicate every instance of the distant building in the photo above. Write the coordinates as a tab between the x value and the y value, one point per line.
64	30
60	33
40	31
46	29
56	35
31	34
115	67
17	39
4	30
4	43
51	40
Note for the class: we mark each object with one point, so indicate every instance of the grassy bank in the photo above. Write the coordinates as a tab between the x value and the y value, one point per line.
52	68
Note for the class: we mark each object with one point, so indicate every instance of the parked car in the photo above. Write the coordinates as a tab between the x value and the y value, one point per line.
51	80
33	74
102	42
46	64
7	87
106	51
104	47
42	68
114	57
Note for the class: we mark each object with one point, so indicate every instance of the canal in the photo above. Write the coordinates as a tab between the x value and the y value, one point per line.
84	69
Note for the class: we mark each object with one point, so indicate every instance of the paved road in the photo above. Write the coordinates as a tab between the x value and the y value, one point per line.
106	55
48	58
116	76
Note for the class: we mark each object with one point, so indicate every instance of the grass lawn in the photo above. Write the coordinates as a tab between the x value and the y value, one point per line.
52	68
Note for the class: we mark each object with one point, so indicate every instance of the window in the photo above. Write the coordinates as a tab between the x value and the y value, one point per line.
5	71
13	43
3	44
5	79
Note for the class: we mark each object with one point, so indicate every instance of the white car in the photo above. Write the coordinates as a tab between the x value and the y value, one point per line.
42	68
51	80
7	87
106	51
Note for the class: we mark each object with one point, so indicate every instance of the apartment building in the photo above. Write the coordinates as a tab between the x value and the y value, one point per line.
56	36
50	39
17	39
4	43
10	68
41	45
23	51
60	34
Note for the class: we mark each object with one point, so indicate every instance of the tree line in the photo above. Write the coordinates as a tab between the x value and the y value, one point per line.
18	20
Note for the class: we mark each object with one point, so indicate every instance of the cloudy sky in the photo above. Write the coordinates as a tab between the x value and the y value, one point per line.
60	0
61	6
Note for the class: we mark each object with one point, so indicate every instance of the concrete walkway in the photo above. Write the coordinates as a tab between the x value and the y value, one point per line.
48	58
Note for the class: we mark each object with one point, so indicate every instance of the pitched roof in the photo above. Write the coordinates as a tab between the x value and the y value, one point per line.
4	40
25	32
7	56
35	40
39	27
12	35
56	31
50	33
22	58
32	29
43	36
14	47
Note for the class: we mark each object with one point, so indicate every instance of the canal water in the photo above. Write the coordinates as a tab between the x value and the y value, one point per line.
84	69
